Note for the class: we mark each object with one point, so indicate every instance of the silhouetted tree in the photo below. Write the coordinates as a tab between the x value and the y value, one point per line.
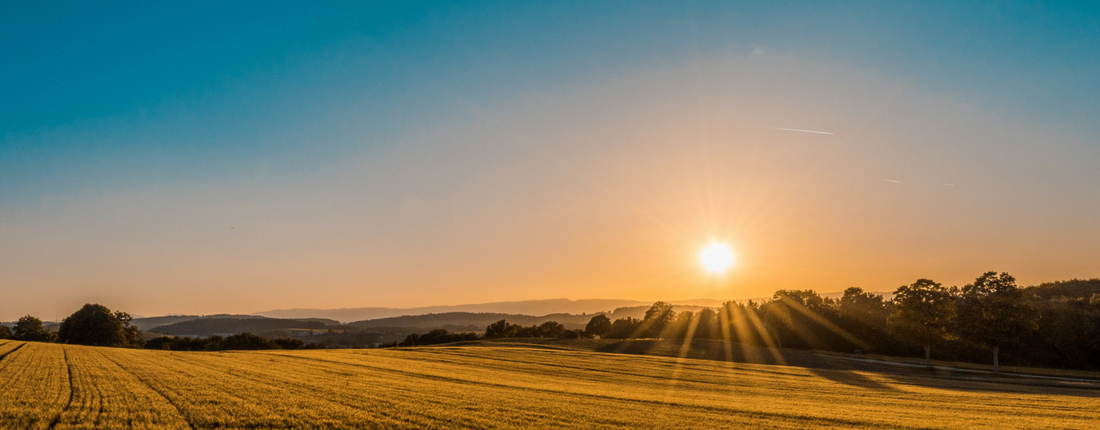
551	329
576	334
247	341
865	308
500	329
740	322
707	324
599	325
30	329
5	332
994	312
680	326
923	312
134	337
624	328
657	318
288	343
777	319
96	325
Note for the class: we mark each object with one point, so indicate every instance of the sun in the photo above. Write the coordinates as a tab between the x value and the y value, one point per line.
716	257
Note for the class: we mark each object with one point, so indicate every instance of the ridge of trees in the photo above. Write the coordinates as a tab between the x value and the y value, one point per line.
240	341
1053	324
212	326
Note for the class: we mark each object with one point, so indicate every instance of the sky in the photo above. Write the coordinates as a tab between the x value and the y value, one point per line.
189	158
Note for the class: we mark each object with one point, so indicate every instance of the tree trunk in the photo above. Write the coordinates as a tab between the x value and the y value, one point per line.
996	364
928	356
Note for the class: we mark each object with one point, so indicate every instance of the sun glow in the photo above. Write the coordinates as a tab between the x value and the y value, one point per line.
716	257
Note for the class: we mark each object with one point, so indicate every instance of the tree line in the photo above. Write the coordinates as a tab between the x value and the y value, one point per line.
96	325
240	341
1052	325
93	325
498	330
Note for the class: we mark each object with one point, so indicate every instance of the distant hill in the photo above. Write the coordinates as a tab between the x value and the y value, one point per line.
469	321
207	326
150	323
526	307
146	324
477	321
524	312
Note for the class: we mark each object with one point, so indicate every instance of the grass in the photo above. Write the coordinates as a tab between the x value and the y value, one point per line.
501	385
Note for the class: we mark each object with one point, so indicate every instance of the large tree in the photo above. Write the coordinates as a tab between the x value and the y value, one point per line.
994	312
865	308
96	325
599	325
625	328
923	311
657	317
500	329
551	329
29	328
777	319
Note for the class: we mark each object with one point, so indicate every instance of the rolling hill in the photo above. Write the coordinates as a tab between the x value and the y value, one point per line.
208	326
527	307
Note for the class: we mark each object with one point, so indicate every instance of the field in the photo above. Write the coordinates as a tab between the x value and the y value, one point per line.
497	386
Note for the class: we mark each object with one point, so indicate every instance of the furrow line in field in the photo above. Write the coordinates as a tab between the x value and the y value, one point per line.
308	392
717	381
183	415
9	352
660	403
268	400
695	364
123	398
441	401
69	404
595	369
400	400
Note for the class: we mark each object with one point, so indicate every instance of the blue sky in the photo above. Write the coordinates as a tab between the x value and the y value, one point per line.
145	108
99	96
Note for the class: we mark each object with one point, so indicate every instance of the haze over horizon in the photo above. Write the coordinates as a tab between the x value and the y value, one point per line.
160	158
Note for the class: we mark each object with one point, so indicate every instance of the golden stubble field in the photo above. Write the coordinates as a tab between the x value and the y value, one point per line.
63	386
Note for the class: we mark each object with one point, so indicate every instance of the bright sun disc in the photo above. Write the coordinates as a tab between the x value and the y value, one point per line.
716	258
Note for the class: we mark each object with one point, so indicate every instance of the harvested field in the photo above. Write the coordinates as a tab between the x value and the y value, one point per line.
497	386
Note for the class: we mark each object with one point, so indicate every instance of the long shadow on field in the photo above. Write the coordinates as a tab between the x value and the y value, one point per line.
719	351
833	368
848	377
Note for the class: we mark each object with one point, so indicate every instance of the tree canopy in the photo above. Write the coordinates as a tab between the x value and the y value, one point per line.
29	328
923	311
599	325
96	325
994	312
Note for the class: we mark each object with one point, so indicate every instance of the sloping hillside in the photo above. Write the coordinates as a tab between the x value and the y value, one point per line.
468	321
212	326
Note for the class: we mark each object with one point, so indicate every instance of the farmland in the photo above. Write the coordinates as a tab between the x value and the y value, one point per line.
496	386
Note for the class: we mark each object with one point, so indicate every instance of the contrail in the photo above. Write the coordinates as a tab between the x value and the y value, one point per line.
800	130
891	180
